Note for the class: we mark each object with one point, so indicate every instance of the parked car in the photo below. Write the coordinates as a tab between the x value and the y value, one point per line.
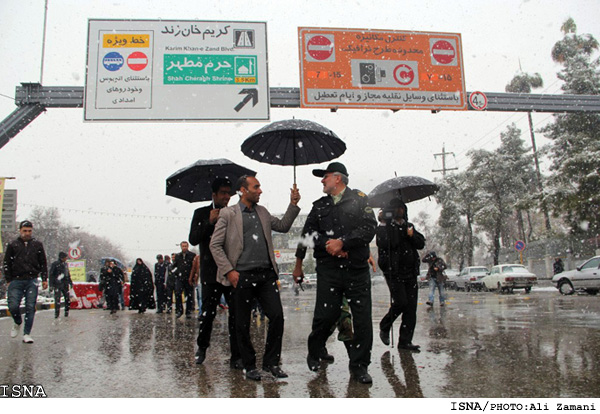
506	277
585	277
471	276
452	281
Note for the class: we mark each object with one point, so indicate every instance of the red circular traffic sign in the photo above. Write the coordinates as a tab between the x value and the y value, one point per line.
443	52
75	253
520	245
478	100
319	47
403	74
137	61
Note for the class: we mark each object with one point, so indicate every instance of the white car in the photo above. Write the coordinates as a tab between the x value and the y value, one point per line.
471	276
506	277
586	277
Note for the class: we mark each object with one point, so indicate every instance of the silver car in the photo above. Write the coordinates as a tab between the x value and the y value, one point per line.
507	277
586	278
470	278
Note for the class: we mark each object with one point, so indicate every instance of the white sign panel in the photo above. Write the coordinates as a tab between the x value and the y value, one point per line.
176	70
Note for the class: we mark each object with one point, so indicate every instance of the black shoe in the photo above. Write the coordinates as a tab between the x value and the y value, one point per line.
188	316
253	374
276	371
326	356
410	347
313	363
66	315
363	377
178	315
385	337
200	355
237	364
429	303
159	311
169	311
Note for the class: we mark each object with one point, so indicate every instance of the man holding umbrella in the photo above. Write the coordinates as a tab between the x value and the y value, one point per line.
202	228
341	226
398	242
242	247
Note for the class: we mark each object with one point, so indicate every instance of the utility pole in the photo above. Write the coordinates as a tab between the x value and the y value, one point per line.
443	155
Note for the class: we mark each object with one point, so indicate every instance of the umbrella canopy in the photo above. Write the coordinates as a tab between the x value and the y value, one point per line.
194	182
293	142
407	188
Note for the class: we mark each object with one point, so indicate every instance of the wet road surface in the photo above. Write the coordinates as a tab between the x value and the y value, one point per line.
482	345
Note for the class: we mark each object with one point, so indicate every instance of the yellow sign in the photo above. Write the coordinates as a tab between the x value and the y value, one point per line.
115	40
77	270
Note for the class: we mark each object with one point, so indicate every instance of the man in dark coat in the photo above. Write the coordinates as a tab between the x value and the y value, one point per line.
182	267
111	283
24	262
201	230
160	279
60	281
436	277
340	226
398	242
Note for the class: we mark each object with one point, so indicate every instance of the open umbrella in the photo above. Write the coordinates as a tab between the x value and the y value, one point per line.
293	142
407	188
194	182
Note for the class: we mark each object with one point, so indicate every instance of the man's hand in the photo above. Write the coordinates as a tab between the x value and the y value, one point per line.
233	276
214	216
298	272
371	261
334	247
294	195
410	231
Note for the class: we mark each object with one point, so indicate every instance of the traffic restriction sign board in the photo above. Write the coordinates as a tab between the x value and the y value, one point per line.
380	69
478	100
74	253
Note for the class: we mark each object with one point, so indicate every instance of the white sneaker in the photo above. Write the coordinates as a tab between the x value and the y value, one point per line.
14	332
27	339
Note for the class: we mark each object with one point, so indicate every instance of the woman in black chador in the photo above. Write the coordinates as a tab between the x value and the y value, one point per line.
111	283
142	289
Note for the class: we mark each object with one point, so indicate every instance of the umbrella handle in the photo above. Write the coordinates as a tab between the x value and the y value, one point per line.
294	176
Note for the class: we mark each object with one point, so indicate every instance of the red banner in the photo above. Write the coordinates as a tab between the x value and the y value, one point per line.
89	296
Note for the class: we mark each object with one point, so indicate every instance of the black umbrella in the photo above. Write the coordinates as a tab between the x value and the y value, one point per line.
408	188
293	142
193	183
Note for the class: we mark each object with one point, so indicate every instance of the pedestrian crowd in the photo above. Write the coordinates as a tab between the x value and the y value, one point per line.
236	269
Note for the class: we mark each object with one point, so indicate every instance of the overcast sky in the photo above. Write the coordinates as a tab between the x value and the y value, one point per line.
109	178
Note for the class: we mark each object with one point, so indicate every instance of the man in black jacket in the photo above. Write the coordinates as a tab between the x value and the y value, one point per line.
182	267
398	242
340	226
24	261
203	225
60	281
160	279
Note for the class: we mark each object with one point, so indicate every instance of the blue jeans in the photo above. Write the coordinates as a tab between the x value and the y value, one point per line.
16	291
433	283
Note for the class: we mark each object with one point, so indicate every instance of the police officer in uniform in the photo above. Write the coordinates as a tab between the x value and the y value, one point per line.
340	226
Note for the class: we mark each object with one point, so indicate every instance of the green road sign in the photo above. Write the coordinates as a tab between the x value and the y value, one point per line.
187	69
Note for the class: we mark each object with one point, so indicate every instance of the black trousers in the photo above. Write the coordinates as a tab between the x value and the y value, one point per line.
262	285
211	297
161	296
183	287
404	295
333	284
64	292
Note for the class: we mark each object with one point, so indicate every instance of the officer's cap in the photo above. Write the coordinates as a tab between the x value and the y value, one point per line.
332	168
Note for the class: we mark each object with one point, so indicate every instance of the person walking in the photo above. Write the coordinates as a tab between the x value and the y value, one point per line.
558	266
242	248
398	242
340	226
201	231
142	289
436	277
182	267
111	283
24	262
170	284
160	278
60	281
